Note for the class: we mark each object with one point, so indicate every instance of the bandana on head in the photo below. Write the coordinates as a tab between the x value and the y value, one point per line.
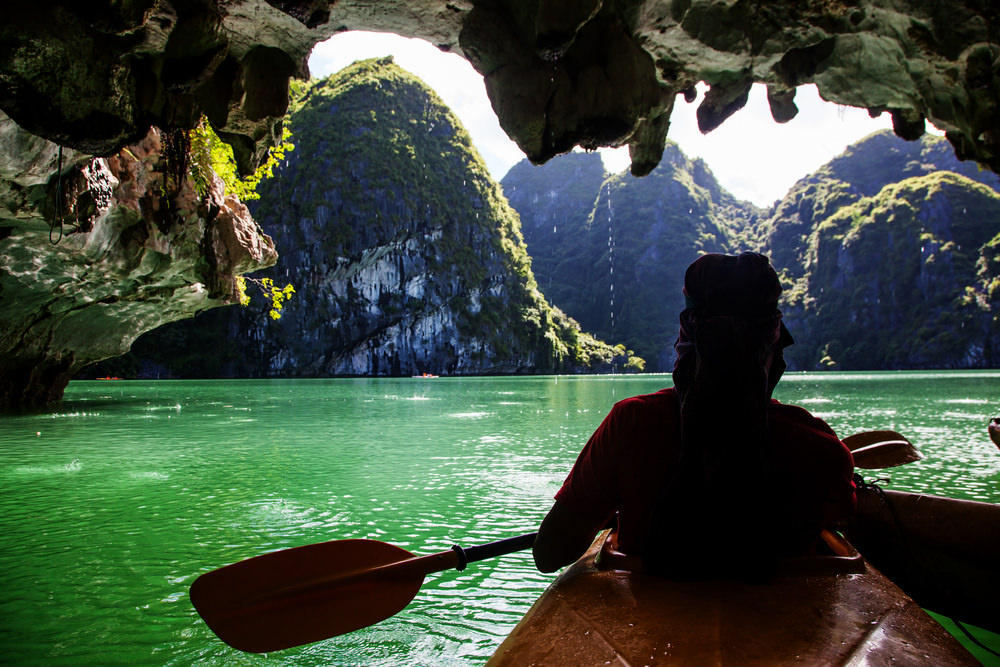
743	289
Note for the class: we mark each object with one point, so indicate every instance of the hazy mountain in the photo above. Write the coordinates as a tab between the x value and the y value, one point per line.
614	258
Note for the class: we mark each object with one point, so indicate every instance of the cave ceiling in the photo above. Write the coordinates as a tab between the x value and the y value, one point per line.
94	76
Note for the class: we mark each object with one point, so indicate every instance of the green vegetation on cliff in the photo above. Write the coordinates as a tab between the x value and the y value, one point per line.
385	170
614	258
862	170
405	256
888	253
879	251
554	202
894	280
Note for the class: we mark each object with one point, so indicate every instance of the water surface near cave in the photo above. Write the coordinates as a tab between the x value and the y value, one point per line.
114	502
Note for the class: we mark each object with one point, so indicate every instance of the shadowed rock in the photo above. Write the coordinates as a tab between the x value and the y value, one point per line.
109	250
95	76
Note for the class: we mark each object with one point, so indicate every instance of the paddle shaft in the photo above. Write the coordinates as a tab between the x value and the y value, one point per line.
456	558
492	549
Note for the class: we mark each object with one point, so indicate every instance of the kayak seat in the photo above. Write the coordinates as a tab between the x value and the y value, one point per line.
834	555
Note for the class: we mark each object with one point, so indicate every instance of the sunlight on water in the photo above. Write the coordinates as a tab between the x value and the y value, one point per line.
113	503
944	414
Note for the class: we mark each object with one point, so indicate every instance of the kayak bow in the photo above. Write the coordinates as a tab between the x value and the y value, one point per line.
828	610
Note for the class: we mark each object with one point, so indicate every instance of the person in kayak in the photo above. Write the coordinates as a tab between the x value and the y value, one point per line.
711	477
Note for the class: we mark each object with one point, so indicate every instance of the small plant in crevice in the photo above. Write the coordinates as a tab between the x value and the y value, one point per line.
208	153
276	296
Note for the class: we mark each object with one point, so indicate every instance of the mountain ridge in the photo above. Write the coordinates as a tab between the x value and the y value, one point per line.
608	250
790	233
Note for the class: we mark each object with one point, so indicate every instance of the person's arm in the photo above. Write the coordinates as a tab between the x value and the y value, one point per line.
562	538
843	498
586	501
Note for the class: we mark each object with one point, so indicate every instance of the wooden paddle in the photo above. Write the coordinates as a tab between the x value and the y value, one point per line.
301	595
881	449
296	596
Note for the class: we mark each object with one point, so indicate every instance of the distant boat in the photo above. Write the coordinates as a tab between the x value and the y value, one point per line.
425	375
109	378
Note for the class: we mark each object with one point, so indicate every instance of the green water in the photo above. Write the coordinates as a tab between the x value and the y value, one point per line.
113	503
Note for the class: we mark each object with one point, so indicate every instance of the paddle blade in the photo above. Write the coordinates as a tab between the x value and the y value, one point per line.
304	594
887	454
881	449
865	438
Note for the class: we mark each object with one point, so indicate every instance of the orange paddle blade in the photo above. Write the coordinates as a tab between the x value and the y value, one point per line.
301	595
886	454
881	449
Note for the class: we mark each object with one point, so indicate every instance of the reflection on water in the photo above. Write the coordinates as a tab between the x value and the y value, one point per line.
113	503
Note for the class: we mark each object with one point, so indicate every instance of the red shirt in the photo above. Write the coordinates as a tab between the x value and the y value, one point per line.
622	467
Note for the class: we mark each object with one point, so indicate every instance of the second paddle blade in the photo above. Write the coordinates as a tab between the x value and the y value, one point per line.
888	454
302	595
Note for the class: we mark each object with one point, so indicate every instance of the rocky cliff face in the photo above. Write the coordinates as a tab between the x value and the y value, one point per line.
902	279
405	256
888	253
884	266
861	171
615	255
554	203
96	251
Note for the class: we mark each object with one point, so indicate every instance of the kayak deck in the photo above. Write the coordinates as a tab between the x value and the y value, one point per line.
820	610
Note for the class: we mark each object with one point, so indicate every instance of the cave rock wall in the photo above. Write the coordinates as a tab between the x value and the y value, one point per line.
560	73
96	251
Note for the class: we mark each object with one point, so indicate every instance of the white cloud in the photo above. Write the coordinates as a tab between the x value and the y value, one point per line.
752	156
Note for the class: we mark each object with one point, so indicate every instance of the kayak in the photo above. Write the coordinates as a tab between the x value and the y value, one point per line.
944	553
829	609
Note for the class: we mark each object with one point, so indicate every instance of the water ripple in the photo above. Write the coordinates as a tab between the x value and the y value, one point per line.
112	506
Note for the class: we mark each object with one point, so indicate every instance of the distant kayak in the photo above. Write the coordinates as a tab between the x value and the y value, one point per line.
425	375
824	610
109	378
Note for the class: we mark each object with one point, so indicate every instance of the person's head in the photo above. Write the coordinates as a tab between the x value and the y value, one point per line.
728	361
731	325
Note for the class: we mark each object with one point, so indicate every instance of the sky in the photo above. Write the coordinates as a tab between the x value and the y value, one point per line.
753	157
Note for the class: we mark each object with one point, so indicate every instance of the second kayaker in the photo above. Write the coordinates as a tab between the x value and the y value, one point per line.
711	477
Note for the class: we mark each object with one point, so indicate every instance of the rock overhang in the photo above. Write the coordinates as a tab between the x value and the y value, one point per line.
559	73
